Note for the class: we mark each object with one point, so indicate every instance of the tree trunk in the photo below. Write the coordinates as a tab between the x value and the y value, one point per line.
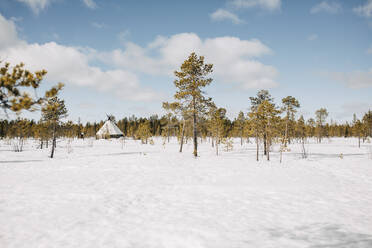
217	143
54	140
359	141
168	132
268	141
304	155
265	144
195	138
216	148
183	135
257	146
286	133
241	137
320	134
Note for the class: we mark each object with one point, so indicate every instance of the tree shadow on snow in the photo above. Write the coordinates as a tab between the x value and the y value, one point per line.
119	153
19	161
324	235
323	155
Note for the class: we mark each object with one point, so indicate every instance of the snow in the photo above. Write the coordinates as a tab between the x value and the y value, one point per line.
102	193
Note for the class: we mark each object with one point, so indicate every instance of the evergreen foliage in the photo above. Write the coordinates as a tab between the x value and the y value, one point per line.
14	82
52	112
191	79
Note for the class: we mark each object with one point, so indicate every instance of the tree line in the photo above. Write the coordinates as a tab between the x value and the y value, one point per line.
191	117
215	126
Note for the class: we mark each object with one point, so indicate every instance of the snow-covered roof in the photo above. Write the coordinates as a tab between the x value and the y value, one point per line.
109	128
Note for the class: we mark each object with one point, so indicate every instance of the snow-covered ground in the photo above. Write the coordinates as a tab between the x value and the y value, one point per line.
100	194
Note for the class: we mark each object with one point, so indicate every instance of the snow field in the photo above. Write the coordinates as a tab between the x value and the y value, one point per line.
154	196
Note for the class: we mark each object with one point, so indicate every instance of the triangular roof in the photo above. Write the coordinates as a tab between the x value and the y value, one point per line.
109	128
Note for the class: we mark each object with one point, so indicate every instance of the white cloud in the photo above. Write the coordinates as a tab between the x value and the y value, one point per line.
364	10
90	4
222	14
70	65
39	5
36	5
8	33
326	7
313	37
235	60
354	79
98	25
265	4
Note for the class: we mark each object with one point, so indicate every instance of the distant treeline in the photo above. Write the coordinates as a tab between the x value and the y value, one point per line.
171	126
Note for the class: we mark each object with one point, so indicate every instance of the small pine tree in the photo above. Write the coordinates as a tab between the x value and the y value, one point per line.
269	118
216	126
262	95
321	116
358	130
143	132
53	111
290	105
367	121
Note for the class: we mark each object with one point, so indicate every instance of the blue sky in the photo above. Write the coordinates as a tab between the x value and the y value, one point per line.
118	56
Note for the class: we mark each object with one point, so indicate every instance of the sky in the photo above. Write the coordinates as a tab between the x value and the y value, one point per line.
118	57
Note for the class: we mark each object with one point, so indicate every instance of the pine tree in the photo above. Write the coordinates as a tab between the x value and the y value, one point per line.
240	123
171	109
357	129
367	121
19	134
301	128
53	111
321	115
310	128
248	129
41	133
182	113
290	105
262	95
217	118
192	78
301	133
13	84
268	119
144	132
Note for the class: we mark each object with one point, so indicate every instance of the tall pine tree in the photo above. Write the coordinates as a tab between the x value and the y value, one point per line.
191	79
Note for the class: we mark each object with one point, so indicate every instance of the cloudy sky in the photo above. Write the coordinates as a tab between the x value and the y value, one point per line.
118	56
